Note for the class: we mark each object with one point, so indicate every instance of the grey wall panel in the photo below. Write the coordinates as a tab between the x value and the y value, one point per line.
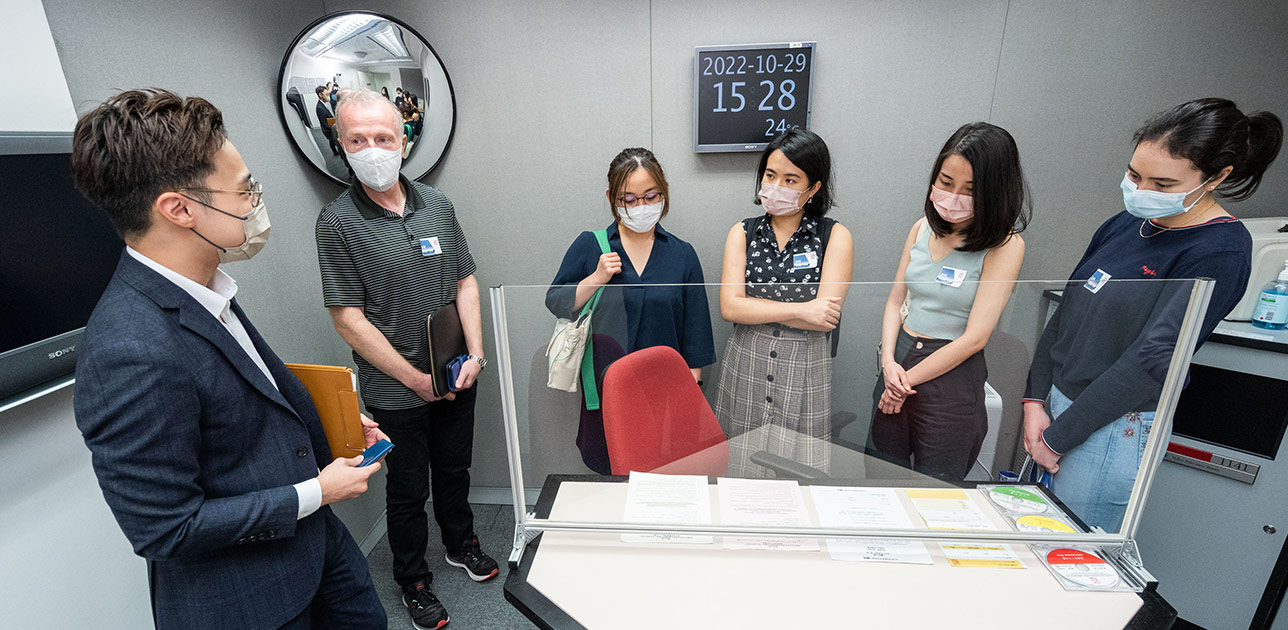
886	98
1076	79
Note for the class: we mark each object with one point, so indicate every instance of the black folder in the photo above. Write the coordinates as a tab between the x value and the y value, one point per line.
446	342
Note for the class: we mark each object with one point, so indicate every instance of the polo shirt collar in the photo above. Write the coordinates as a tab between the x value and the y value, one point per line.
372	210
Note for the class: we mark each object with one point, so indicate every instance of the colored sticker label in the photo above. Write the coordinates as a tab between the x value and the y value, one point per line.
1096	281
951	276
1033	523
1082	568
1018	500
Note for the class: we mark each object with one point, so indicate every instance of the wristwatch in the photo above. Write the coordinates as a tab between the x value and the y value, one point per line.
478	359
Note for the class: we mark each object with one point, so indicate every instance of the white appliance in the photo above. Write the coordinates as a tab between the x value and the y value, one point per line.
981	471
1269	251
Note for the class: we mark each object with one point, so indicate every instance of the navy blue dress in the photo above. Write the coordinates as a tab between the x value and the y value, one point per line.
631	316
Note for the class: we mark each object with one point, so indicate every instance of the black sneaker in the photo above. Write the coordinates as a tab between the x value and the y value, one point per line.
427	613
477	564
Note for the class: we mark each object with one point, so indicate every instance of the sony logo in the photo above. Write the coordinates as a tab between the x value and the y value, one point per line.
59	353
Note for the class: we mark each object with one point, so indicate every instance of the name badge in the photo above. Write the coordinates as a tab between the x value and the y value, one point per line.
1096	281
951	277
429	246
807	260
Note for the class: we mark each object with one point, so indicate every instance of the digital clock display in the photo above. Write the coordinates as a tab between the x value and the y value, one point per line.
746	95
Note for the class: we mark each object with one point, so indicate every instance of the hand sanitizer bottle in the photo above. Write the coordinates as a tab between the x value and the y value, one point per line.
1272	305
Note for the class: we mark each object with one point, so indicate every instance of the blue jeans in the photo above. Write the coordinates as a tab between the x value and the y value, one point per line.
1096	477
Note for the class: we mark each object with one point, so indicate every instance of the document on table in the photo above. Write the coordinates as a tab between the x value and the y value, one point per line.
771	502
981	556
667	499
948	509
873	508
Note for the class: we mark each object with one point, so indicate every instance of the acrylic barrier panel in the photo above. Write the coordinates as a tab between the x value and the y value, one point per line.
789	419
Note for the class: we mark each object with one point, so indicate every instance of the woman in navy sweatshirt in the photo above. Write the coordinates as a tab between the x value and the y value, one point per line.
1098	369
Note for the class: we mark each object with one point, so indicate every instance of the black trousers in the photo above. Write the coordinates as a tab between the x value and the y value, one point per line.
433	448
940	429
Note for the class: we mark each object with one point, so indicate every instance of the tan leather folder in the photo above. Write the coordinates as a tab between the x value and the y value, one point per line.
334	390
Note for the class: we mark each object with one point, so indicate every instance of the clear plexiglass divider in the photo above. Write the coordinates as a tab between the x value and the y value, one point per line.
790	432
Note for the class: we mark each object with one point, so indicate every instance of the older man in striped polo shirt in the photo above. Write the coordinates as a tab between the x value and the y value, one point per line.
391	252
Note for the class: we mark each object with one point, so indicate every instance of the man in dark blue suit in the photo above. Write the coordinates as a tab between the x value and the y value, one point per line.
324	110
208	450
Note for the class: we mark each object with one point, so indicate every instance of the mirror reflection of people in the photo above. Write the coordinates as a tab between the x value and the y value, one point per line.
324	112
662	313
398	97
956	273
1101	359
775	390
384	91
208	449
391	252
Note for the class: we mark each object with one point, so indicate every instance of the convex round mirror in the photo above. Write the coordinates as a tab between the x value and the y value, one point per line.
359	49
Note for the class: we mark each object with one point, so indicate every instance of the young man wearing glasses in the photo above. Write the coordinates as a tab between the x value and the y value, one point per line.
209	451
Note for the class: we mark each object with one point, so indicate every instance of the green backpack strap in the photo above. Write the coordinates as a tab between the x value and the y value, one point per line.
588	357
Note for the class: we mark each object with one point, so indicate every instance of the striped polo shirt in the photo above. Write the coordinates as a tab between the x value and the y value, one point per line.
399	269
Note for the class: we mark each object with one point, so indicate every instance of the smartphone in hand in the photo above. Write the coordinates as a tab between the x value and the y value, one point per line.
376	452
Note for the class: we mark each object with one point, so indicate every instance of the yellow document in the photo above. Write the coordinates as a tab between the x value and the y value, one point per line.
981	556
334	390
948	509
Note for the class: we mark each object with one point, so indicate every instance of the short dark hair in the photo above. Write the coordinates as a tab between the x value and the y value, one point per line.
1212	134
139	144
320	89
999	194
809	153
627	162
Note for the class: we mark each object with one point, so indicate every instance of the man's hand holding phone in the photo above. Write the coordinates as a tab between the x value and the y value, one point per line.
346	477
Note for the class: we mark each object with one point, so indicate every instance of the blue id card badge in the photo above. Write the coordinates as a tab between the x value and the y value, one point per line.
1096	281
429	246
807	260
951	276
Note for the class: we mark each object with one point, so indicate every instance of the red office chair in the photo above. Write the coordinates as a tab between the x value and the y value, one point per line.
656	418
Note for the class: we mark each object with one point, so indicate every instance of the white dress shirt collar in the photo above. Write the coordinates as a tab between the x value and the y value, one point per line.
215	298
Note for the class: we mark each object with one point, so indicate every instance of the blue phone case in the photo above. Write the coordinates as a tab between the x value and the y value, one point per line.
454	371
376	452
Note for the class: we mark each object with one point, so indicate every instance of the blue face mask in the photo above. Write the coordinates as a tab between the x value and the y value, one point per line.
1152	204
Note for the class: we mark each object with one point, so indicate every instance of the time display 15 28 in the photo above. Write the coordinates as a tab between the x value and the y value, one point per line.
748	95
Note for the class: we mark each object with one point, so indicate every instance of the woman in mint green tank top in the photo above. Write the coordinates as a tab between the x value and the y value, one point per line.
956	273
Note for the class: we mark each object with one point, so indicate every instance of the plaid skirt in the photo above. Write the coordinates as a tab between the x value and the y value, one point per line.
775	395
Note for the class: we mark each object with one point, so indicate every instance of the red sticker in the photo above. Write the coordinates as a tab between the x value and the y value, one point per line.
1073	556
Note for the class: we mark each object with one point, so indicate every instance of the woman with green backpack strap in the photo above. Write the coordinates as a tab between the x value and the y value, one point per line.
653	287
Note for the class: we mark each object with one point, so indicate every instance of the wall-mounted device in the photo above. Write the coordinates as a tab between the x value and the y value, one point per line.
745	95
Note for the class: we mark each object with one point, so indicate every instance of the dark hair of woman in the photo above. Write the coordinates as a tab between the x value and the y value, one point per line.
1212	134
809	153
1000	195
626	163
384	91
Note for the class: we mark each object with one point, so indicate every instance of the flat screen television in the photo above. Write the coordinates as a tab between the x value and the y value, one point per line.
57	253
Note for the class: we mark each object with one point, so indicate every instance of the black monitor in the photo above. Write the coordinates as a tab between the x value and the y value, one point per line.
59	251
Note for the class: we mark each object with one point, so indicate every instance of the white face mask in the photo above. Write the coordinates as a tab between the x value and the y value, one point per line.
376	167
255	226
641	218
